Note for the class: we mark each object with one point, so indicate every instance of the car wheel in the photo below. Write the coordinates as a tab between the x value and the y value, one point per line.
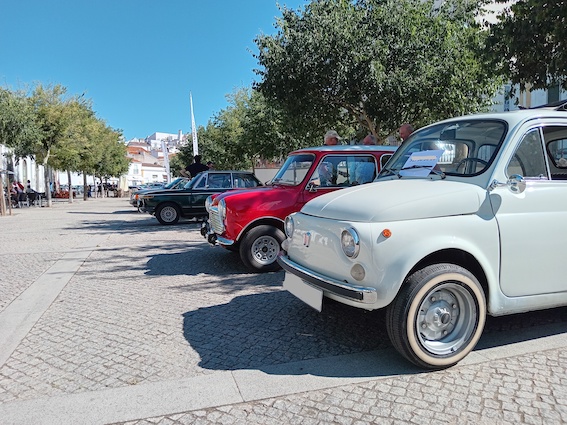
260	247
438	316
168	213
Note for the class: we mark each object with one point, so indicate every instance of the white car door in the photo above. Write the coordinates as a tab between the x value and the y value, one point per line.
533	233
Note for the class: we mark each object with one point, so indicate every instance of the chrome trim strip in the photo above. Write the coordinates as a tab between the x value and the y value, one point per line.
224	241
361	294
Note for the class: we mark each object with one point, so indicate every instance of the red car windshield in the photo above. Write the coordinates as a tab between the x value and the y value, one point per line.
294	170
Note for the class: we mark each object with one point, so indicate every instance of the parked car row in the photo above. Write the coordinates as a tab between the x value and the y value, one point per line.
174	184
462	221
188	201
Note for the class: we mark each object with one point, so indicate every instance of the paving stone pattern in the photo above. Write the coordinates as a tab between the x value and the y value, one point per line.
521	390
156	303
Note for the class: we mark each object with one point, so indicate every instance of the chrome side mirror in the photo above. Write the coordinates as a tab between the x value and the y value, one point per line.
515	183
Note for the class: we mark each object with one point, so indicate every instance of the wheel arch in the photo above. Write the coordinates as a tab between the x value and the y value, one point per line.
170	202
458	257
269	221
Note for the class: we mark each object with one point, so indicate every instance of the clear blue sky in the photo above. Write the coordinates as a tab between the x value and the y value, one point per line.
137	60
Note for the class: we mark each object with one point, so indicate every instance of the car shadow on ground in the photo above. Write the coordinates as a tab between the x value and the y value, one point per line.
264	331
141	225
255	331
195	258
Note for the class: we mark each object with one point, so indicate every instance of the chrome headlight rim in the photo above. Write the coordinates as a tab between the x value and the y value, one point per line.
289	226
222	209
208	203
350	242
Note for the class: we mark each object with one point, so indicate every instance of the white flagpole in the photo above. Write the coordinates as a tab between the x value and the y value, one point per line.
193	129
166	160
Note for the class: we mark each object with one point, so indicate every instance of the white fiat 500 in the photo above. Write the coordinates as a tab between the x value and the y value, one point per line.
466	219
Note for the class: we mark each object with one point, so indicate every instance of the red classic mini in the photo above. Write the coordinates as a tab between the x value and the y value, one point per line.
251	221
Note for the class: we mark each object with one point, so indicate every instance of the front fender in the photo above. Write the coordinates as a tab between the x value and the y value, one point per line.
412	241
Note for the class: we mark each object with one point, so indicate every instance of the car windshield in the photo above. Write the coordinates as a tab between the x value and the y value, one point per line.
194	181
174	183
294	170
461	148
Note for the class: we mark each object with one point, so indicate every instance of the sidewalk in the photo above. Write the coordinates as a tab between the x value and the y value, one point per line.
113	318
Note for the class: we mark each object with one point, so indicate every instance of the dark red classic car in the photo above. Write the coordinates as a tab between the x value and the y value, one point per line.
251	221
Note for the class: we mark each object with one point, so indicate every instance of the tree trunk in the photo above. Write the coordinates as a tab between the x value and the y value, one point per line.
85	186
70	187
3	200
46	177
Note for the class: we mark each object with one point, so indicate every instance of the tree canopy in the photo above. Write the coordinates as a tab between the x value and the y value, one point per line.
371	65
527	44
61	132
248	129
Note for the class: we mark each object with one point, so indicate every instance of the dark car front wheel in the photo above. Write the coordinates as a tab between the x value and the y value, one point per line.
168	213
260	247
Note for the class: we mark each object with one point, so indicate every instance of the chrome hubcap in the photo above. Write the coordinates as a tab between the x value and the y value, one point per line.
265	250
168	214
446	319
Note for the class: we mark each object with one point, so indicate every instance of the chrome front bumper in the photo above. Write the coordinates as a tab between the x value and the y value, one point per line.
361	294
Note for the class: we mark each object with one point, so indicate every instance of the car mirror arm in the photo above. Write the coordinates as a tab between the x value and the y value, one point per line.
515	183
311	187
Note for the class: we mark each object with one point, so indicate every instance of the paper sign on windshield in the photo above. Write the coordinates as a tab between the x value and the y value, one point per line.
420	164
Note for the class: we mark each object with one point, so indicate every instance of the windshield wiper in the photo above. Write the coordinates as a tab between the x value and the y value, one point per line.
384	170
431	170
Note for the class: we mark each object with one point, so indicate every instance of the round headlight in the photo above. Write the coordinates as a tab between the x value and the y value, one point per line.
208	203
222	209
350	242
289	226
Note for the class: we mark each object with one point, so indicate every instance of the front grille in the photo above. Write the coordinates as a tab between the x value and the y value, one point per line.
216	222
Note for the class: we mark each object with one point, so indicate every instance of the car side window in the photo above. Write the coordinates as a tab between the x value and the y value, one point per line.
344	170
244	180
556	146
529	158
202	183
361	169
331	171
384	159
219	181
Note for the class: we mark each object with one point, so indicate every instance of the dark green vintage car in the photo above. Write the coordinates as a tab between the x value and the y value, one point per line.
189	202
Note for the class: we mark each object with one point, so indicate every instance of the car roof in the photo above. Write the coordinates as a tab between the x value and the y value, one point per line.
346	148
225	171
551	110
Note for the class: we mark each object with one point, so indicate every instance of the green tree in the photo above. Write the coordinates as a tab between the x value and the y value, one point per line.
268	133
18	127
54	115
69	153
113	161
527	43
370	65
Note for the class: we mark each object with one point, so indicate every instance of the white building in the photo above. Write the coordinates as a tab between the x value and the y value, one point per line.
23	170
146	163
172	141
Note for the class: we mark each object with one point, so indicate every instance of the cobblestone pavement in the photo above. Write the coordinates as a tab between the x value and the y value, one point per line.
521	390
156	304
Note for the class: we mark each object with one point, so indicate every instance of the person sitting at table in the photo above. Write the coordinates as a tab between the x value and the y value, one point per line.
30	193
15	194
